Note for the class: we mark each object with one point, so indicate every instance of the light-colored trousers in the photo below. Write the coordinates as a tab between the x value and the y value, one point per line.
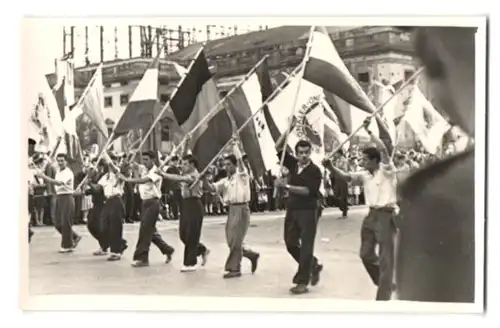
237	224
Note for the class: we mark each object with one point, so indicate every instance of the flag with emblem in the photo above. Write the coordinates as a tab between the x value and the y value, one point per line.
304	100
428	125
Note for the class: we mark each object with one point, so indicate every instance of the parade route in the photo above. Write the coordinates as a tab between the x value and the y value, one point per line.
337	246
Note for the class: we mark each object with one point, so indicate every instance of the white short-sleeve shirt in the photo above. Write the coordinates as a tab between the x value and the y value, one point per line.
380	188
151	189
67	177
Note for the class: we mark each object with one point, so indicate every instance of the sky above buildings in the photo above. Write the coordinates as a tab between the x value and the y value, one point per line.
43	39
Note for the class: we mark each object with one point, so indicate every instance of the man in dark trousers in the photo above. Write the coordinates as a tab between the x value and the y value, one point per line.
94	222
341	187
150	192
302	213
191	220
173	188
112	212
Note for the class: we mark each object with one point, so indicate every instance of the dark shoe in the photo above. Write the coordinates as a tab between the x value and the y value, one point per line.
168	256
232	274
315	276
124	248
255	261
204	257
140	264
299	289
114	257
77	241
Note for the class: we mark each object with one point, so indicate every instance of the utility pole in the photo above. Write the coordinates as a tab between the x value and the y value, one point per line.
86	55
130	41
101	42
116	42
64	41
72	41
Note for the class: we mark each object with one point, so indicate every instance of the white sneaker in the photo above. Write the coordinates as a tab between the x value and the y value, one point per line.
190	268
100	252
66	250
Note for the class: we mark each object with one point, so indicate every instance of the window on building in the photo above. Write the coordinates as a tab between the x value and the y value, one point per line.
124	83
364	77
408	73
349	42
108	101
123	99
164	98
107	86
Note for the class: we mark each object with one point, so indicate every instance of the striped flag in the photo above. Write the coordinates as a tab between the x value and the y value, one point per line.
70	141
92	102
256	137
143	108
326	69
194	99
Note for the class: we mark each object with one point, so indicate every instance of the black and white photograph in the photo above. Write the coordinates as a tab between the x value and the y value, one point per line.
260	166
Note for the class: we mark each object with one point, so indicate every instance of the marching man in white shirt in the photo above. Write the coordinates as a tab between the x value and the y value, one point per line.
65	204
379	181
149	189
235	191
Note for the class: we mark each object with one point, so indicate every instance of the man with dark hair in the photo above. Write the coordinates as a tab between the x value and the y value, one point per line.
191	219
150	192
302	213
112	213
65	204
235	190
379	181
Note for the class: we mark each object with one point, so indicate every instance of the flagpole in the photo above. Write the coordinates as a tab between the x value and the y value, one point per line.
292	115
164	109
378	109
215	108
87	88
250	119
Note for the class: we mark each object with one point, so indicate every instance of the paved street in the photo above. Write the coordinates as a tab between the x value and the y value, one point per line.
81	273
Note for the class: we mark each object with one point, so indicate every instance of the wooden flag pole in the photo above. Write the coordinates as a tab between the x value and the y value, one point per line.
215	109
381	107
87	88
164	109
292	115
250	119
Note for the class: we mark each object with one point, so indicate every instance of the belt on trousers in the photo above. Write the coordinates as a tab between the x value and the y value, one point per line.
152	198
236	204
114	196
193	198
387	208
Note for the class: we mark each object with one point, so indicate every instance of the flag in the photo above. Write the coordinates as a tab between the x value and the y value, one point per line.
44	119
196	96
306	105
256	137
70	144
92	102
143	108
333	134
380	93
429	126
65	70
326	69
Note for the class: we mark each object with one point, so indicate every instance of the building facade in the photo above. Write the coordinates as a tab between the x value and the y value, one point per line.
369	52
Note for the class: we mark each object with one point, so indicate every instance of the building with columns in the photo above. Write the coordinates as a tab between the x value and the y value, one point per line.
369	52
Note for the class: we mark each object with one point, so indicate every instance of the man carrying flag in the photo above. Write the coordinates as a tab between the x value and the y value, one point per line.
150	192
65	204
235	190
302	214
379	181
